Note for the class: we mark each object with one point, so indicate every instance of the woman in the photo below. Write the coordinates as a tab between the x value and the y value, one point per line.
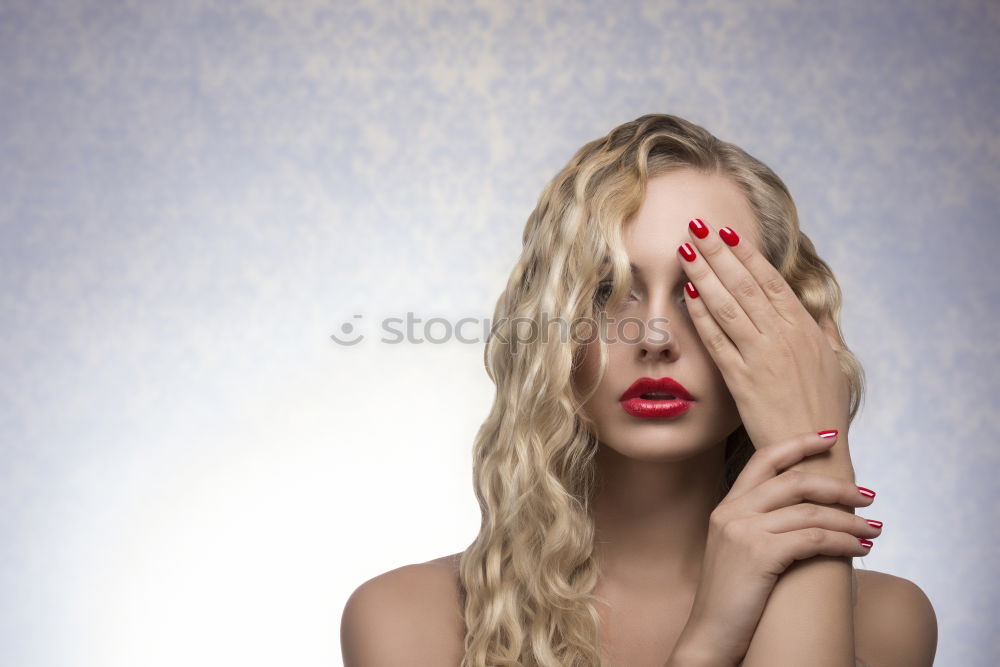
664	477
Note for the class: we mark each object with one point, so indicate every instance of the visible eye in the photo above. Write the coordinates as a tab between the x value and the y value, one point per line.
680	293
604	292
604	289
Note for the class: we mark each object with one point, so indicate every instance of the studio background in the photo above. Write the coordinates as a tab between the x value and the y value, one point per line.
195	195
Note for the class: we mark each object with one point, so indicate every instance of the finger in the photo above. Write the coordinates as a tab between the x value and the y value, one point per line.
809	542
720	346
795	486
767	462
723	306
808	515
729	264
782	299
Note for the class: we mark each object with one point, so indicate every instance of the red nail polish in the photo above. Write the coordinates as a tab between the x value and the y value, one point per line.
866	492
699	228
867	544
873	523
832	433
729	236
687	252
691	290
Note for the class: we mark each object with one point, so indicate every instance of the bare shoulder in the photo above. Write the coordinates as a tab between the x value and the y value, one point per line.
894	621
410	615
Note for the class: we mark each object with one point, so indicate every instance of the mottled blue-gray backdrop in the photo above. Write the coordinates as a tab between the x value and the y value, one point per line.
195	195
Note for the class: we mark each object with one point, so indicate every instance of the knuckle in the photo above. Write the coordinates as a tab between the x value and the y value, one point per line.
775	285
699	273
717	341
813	536
733	531
793	479
849	489
713	250
777	454
717	519
747	286
728	311
806	439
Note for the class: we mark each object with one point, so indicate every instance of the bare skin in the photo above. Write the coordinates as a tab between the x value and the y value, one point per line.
658	479
644	629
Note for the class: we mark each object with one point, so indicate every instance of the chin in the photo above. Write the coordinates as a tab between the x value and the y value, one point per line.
656	446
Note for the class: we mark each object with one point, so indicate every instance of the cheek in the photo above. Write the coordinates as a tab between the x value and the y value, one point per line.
587	369
584	369
589	365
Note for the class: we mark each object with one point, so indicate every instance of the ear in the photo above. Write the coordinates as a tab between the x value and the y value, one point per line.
829	328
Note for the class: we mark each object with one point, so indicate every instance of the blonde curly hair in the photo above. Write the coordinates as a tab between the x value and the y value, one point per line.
527	578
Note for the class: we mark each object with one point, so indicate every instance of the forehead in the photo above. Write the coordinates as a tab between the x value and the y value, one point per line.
674	198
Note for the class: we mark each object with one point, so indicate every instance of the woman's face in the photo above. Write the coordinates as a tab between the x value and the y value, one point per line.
651	239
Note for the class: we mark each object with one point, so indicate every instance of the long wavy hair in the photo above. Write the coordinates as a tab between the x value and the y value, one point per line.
527	578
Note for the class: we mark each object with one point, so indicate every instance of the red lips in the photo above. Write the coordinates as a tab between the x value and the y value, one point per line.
662	386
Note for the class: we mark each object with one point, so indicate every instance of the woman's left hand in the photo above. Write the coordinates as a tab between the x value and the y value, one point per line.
778	363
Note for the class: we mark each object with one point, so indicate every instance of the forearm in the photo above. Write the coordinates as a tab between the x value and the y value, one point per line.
808	618
692	651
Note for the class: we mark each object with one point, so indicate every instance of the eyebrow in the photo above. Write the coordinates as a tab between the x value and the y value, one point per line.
606	265
637	271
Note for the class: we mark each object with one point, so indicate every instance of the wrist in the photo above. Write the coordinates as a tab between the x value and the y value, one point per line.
828	463
835	461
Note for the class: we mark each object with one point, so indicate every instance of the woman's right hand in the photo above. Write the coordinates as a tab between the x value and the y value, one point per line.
756	532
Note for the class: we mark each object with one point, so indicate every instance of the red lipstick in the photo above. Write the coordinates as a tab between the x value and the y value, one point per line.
649	398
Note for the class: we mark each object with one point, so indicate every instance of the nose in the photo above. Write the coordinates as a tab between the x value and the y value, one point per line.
658	342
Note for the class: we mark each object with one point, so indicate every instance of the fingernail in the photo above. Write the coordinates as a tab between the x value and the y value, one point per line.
866	492
691	290
873	523
832	433
729	236
867	544
687	252
699	228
